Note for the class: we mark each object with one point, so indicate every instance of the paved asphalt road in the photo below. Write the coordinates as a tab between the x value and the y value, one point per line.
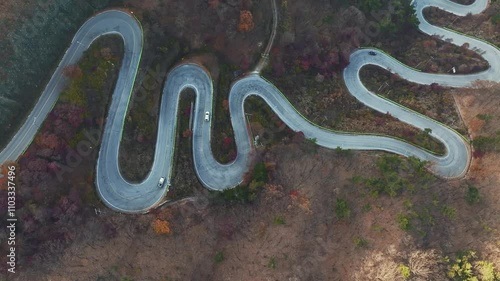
123	196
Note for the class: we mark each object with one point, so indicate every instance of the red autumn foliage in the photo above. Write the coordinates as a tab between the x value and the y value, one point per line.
225	105
34	172
213	3
53	167
305	64
187	133
63	129
140	138
298	137
227	141
38	165
187	110
73	114
48	140
477	153
431	43
72	71
244	63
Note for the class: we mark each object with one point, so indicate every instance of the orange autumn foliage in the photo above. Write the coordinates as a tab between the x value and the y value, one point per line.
213	3
301	200
246	21
161	227
225	105
4	172
72	71
3	178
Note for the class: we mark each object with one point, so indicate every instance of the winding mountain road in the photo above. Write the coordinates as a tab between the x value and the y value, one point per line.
126	197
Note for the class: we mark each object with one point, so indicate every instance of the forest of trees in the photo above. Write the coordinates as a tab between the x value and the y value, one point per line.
311	51
50	205
31	48
394	16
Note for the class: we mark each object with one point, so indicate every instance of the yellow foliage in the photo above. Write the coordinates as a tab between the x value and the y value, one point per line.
74	94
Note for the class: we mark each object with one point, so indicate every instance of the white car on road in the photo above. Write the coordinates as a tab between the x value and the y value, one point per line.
161	182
